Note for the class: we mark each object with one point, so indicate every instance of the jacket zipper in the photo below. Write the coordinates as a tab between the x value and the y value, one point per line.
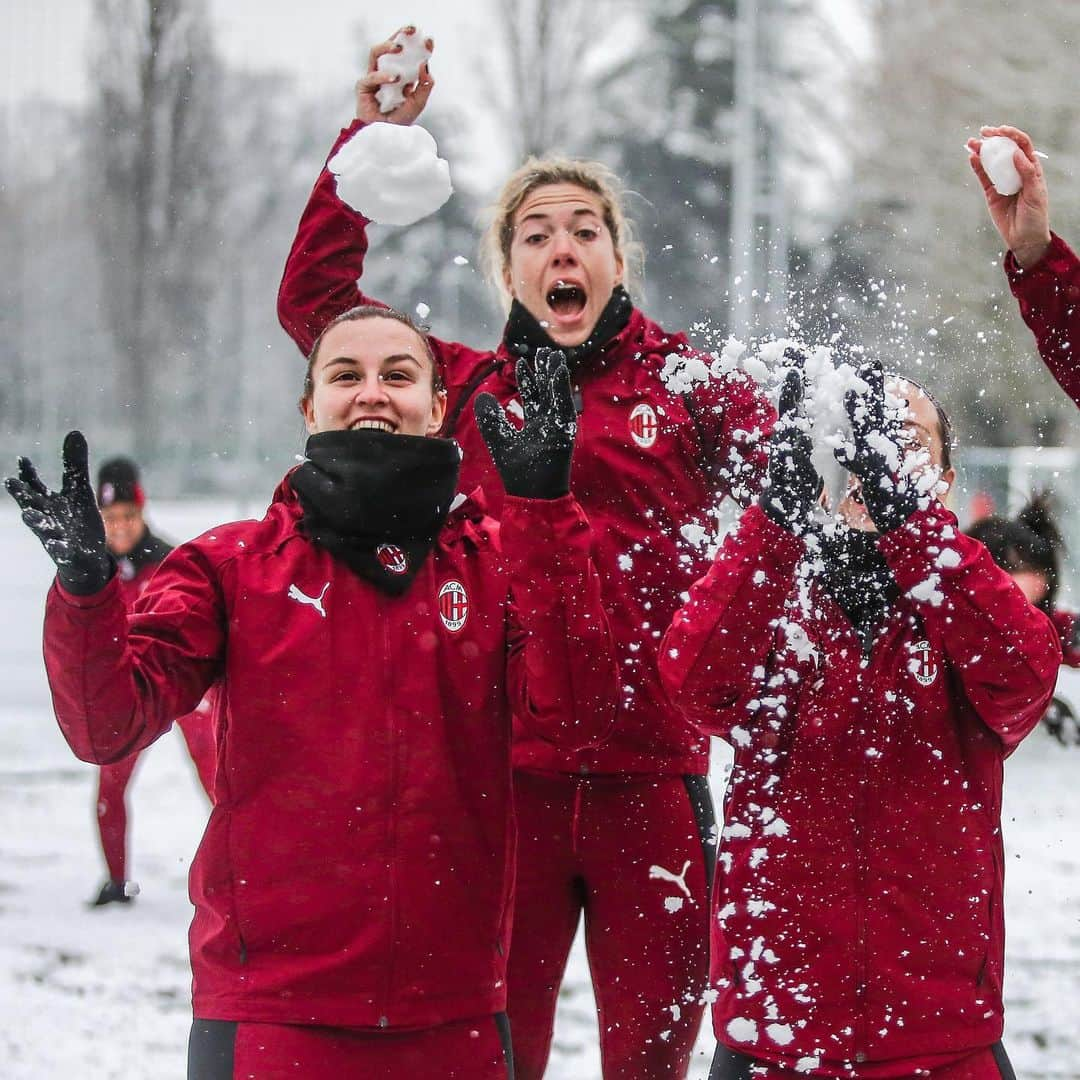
862	902
391	832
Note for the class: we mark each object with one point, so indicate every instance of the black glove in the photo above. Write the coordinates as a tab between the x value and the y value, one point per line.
889	499
534	463
794	484
1061	722
67	522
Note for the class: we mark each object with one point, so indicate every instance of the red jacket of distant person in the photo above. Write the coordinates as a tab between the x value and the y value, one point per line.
648	462
358	863
858	897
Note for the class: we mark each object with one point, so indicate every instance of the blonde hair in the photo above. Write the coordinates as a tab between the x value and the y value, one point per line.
594	177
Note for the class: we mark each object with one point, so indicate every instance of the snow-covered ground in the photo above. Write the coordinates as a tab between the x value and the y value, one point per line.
104	993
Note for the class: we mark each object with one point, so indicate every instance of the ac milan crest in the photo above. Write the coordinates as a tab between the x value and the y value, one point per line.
392	558
453	605
923	665
643	425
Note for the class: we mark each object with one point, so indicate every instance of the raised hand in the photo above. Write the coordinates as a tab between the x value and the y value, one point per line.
67	522
416	97
1023	219
793	483
534	463
876	456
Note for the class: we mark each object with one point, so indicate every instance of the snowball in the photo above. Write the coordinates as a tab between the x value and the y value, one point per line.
422	310
996	155
392	173
404	64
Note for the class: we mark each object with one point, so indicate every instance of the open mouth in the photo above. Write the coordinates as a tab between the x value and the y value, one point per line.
372	425
566	300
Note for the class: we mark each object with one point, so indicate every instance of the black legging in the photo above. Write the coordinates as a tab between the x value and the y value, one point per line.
731	1065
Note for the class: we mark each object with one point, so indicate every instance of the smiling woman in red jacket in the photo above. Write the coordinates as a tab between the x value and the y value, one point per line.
652	459
371	636
872	678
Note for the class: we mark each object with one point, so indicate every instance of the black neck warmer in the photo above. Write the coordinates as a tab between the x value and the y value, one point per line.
857	577
524	334
377	501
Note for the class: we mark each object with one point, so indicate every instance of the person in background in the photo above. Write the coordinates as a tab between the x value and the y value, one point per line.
650	461
370	639
1029	548
1043	271
871	674
137	553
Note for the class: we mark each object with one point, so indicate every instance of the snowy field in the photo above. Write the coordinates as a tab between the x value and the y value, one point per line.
104	993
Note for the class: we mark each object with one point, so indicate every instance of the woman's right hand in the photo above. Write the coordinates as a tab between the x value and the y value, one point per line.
67	522
416	97
1023	219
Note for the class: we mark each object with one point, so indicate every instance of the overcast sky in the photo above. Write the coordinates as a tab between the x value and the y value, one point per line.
43	43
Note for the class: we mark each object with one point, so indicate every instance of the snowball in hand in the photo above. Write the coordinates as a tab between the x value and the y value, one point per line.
996	155
404	64
392	173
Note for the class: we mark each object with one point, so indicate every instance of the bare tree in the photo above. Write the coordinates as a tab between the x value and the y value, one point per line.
155	151
555	52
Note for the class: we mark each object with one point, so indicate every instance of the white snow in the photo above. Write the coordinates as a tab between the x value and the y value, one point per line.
392	173
743	1030
996	155
105	992
404	64
781	1034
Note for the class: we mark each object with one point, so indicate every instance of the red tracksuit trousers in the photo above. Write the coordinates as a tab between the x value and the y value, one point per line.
631	853
113	781
476	1049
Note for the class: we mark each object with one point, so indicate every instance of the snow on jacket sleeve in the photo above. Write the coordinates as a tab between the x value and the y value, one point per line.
118	681
1049	296
1004	652
562	673
734	420
327	257
727	629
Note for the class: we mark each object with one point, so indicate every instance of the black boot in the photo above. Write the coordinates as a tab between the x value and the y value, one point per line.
112	892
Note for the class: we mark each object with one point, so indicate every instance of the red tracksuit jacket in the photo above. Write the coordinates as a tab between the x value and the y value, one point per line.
357	868
858	893
647	462
1049	295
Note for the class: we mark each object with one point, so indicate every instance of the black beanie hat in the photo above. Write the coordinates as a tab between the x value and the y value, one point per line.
118	482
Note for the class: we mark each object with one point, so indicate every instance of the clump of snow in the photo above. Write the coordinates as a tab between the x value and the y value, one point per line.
948	558
405	64
996	155
673	904
781	1034
392	173
928	592
422	310
742	1029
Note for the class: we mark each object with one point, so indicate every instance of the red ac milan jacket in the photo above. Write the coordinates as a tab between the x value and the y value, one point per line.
1049	296
858	895
357	867
649	463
